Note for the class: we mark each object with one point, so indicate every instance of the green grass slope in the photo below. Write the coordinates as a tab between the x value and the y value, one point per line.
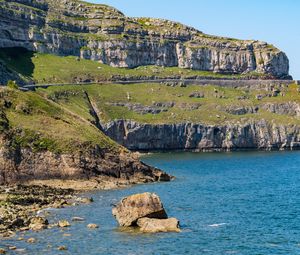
211	109
39	123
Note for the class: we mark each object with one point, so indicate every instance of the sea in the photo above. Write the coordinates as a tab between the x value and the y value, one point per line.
227	203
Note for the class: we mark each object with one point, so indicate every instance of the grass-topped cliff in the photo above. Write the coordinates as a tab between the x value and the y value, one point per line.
162	104
102	33
42	124
195	117
41	139
29	67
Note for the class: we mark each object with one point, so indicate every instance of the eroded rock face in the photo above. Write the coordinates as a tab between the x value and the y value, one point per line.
289	108
200	137
241	110
22	164
148	225
130	209
104	34
155	108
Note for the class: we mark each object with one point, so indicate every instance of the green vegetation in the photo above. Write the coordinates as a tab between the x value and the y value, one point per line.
211	109
12	84
41	124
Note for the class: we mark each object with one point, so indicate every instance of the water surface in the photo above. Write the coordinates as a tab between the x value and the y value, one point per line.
228	203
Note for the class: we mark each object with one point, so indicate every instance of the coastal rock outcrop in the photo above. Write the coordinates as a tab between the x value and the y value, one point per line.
145	211
253	134
26	156
104	34
137	206
23	164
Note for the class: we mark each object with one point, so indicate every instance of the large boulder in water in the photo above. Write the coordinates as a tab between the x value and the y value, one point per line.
148	225
130	209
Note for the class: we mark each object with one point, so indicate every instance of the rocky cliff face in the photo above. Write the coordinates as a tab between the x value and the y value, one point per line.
198	137
18	164
104	34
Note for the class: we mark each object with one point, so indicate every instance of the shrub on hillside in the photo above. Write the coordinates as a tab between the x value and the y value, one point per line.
12	84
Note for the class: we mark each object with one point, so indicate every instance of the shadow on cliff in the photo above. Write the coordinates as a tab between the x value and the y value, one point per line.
18	60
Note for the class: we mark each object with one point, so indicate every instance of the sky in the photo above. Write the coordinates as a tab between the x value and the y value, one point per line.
274	21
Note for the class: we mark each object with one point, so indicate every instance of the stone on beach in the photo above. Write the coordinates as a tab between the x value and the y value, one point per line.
38	223
134	207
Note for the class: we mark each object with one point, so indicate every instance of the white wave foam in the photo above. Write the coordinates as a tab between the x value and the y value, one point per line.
217	225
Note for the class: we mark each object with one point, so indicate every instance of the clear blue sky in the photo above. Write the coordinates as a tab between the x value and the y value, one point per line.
274	21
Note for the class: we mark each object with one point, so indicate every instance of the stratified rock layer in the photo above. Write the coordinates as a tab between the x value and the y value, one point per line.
252	134
19	164
104	34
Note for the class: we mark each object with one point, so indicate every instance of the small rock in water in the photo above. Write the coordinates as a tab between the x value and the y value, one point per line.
86	200
2	251
12	248
63	224
146	211
38	223
31	240
62	248
92	226
137	206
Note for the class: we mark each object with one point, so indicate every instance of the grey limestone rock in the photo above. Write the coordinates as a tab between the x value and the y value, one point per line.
104	34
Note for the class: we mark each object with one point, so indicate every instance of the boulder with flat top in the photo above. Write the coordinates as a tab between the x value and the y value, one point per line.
130	209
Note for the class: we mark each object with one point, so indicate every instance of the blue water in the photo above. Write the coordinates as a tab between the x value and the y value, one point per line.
228	203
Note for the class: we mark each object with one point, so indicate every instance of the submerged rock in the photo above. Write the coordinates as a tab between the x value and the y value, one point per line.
31	240
137	206
148	225
62	248
92	226
63	224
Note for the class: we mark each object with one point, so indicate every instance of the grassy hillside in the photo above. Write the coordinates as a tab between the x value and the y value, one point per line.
44	125
46	68
214	107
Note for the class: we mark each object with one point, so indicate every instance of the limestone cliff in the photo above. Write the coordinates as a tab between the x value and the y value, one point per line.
102	33
199	137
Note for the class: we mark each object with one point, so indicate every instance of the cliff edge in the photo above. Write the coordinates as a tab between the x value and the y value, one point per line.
102	33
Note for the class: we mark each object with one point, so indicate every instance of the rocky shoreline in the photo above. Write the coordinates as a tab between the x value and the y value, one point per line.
22	204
